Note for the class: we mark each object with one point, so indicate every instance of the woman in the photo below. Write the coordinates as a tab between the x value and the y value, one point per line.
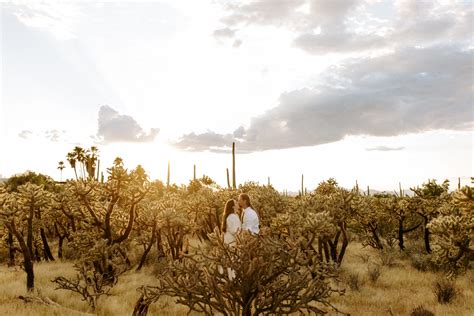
230	226
230	221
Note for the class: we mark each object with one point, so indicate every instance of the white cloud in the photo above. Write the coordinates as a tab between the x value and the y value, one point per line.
409	91
115	127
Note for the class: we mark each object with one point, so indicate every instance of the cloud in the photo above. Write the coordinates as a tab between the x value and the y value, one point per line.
409	91
25	134
237	43
384	148
54	135
115	127
224	33
353	26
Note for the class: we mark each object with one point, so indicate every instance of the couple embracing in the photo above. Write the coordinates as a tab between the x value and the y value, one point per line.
239	216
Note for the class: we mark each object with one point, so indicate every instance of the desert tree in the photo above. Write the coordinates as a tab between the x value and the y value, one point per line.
271	277
17	212
453	232
428	199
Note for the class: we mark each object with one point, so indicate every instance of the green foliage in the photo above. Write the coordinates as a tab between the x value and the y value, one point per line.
453	232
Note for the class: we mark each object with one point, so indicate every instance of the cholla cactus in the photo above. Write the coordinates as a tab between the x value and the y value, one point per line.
97	272
453	232
271	277
175	225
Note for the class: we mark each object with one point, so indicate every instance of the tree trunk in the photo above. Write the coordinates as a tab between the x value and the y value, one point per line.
148	248
60	246
400	235
378	243
27	257
141	307
11	250
345	242
426	235
46	250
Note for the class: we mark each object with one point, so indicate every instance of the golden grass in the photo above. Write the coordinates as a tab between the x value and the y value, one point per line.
398	290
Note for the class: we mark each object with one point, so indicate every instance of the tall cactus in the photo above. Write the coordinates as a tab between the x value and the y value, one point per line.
98	169
228	178
234	182
268	181
194	176
302	185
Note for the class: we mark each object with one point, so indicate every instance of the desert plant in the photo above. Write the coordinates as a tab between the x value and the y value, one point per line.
387	257
374	272
354	281
421	311
453	232
271	277
445	291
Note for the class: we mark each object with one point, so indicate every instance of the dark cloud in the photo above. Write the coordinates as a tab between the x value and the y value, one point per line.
409	91
385	148
115	127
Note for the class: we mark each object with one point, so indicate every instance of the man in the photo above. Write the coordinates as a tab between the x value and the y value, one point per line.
250	220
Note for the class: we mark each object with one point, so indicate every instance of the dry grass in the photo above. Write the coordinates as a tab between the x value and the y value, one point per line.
399	289
120	302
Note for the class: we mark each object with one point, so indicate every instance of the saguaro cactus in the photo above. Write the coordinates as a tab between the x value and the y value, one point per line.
98	169
302	185
228	178
194	176
168	177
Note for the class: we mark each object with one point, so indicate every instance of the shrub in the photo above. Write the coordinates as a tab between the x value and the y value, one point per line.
387	258
374	272
445	291
354	281
421	311
422	262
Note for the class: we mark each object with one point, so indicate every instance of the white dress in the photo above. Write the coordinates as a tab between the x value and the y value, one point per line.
233	225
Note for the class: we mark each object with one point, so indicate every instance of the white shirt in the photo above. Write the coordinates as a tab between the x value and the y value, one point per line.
232	227
250	221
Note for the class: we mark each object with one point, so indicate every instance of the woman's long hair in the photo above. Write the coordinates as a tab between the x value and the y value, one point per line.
228	209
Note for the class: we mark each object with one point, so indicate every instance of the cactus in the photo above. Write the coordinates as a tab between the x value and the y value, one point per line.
168	177
98	169
194	176
228	178
302	185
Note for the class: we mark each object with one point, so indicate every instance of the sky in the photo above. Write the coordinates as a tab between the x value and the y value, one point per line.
374	91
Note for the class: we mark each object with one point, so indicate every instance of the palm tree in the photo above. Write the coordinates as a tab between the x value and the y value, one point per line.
80	156
118	161
91	158
61	167
71	158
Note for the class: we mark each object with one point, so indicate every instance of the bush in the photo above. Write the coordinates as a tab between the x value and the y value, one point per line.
422	262
445	291
374	272
387	258
421	311
354	281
